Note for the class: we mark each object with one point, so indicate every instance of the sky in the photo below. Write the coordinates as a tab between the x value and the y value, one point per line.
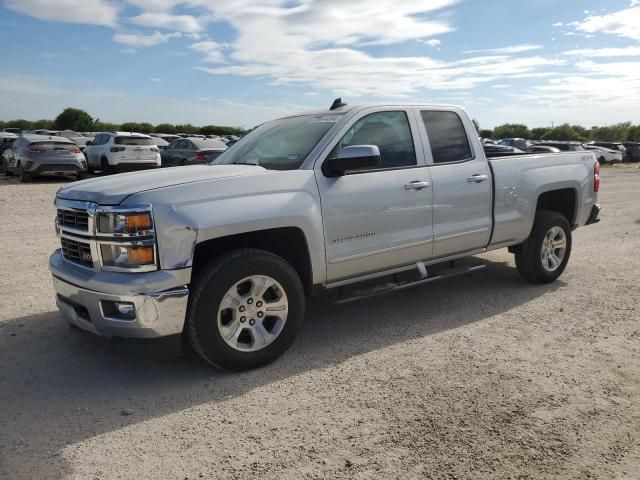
241	62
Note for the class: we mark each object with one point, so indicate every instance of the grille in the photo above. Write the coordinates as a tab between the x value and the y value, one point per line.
77	252
73	219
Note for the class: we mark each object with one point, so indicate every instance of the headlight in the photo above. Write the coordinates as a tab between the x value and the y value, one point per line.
127	256
125	223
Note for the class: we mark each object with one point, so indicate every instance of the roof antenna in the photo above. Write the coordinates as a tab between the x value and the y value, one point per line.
337	103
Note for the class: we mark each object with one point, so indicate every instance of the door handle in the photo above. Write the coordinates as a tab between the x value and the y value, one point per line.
477	178
416	185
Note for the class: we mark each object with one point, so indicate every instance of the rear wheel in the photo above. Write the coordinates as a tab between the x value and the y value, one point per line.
544	255
22	175
245	310
104	165
602	161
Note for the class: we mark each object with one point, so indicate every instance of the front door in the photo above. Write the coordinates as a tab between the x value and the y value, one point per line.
378	219
461	185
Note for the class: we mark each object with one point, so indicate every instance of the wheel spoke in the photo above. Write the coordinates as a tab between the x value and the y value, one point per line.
260	335
259	286
553	261
557	244
231	300
231	332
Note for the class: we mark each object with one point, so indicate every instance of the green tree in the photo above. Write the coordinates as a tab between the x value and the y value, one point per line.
633	135
539	133
137	127
165	128
73	119
486	133
565	132
511	130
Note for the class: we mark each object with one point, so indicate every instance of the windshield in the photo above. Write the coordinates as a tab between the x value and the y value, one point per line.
133	141
280	144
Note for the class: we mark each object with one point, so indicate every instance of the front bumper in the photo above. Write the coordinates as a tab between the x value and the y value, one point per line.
594	217
158	313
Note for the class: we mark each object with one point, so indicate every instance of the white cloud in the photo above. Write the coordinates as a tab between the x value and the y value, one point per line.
606	52
558	24
623	23
92	12
212	50
155	80
527	47
434	42
141	41
182	23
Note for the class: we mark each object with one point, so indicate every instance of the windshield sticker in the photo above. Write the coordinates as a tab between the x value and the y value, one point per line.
325	119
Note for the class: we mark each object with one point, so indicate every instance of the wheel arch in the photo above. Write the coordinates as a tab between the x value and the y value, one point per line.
561	200
290	243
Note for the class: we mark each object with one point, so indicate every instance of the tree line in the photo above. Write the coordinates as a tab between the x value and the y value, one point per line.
80	121
619	132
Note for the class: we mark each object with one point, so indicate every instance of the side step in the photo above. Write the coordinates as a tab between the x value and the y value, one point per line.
396	286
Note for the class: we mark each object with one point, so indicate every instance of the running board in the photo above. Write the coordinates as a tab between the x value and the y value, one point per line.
394	287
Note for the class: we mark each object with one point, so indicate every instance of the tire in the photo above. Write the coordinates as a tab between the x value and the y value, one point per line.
531	261
602	161
22	175
104	165
183	162
234	272
81	176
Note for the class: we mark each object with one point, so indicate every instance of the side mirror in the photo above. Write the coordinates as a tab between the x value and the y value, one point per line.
89	142
352	158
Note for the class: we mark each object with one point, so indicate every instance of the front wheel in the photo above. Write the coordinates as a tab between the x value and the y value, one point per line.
544	255
245	310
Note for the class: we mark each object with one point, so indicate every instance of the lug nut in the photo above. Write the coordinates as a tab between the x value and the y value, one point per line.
252	322
243	319
260	314
250	301
241	308
258	304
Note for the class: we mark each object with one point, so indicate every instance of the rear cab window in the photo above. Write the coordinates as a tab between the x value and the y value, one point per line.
447	136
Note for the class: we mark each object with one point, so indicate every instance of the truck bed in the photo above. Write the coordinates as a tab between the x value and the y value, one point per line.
519	178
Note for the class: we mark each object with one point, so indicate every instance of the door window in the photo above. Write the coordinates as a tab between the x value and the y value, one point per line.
447	136
390	132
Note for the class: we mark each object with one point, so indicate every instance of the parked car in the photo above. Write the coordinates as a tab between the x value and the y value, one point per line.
118	151
167	137
189	151
15	131
633	151
491	150
6	142
78	138
563	146
543	149
226	253
519	143
613	146
160	143
33	155
605	155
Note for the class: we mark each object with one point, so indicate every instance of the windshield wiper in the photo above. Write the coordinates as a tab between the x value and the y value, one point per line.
255	164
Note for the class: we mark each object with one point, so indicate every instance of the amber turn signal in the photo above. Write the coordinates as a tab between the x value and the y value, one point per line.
140	255
138	221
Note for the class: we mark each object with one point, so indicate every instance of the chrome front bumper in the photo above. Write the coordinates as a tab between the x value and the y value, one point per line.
157	313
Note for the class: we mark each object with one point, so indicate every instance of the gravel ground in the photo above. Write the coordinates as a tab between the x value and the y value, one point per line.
484	376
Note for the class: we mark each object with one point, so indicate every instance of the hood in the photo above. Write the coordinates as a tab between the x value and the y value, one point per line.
113	189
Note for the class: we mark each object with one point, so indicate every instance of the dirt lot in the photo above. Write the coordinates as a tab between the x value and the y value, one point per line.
483	376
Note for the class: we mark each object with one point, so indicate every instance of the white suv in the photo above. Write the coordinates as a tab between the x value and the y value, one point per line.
112	151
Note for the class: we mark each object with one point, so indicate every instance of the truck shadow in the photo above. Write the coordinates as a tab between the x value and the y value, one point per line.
60	386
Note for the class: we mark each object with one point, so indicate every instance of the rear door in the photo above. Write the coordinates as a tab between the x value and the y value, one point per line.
378	219
462	190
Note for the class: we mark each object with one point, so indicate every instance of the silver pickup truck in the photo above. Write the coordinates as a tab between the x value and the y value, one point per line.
226	253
